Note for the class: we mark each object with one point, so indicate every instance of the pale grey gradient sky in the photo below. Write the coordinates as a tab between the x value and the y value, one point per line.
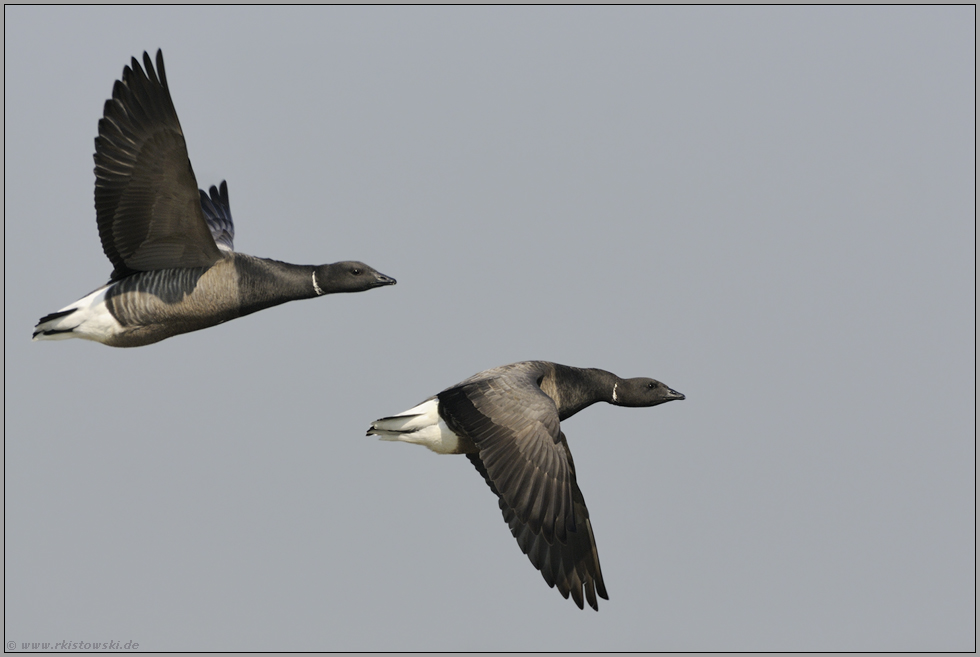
769	209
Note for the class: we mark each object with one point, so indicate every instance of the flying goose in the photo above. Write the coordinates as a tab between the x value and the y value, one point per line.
506	421
175	269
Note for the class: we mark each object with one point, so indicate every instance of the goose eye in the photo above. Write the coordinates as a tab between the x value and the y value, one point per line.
355	271
651	385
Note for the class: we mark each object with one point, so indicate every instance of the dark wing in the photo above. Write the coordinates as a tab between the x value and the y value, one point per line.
146	196
217	212
524	458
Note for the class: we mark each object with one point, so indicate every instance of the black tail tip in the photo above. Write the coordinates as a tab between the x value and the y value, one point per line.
52	316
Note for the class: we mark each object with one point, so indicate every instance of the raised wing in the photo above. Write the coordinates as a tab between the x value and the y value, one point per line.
146	196
217	213
524	458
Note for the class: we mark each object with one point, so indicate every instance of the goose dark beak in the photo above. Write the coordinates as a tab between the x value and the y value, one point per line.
385	280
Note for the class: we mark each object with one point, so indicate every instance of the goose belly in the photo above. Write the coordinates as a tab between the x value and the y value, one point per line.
156	305
148	307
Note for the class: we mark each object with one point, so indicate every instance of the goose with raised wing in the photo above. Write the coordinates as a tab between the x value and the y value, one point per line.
171	245
507	422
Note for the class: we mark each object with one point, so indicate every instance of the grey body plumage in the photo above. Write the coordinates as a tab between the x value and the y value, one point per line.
171	244
507	422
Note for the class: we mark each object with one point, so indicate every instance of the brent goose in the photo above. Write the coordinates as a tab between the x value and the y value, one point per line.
506	421
171	244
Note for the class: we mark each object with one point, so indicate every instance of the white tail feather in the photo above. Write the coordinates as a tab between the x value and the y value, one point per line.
420	425
87	318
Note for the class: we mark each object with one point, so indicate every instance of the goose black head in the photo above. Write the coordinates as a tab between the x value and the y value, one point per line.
348	276
642	391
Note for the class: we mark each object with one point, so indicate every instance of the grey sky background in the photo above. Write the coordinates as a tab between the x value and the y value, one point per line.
769	209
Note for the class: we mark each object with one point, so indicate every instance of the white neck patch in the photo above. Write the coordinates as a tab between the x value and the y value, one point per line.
316	288
614	391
